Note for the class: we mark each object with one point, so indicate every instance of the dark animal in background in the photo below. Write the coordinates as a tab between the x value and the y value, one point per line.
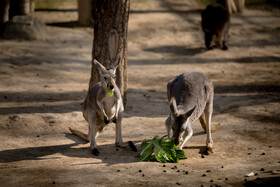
215	24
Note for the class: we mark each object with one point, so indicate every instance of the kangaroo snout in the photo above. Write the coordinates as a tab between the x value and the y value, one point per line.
110	86
176	140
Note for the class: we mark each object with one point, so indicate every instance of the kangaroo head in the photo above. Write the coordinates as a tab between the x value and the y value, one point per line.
107	76
179	120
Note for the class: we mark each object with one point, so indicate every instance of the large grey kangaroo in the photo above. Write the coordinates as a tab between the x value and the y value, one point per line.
103	105
190	96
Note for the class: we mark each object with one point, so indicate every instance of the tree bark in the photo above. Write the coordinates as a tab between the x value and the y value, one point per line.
4	14
4	11
85	12
19	7
110	39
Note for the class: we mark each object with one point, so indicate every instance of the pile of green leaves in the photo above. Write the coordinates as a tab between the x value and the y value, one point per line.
161	150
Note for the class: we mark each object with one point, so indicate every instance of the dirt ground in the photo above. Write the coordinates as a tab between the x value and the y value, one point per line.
43	84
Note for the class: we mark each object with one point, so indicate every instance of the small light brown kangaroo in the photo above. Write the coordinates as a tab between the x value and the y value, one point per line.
190	96
103	105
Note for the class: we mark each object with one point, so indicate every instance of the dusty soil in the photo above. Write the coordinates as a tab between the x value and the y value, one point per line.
43	84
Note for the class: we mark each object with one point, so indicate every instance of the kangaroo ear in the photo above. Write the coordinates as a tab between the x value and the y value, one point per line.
99	66
173	107
188	114
115	65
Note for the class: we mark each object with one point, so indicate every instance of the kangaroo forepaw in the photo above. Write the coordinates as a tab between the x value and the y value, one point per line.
95	152
106	121
114	120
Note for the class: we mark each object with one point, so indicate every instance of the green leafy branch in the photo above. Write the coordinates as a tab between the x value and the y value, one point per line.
160	149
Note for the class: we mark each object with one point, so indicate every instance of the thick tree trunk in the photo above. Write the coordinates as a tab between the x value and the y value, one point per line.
85	12
4	11
4	14
110	39
19	7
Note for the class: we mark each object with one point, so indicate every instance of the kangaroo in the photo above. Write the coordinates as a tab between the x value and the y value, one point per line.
103	105
215	23
190	97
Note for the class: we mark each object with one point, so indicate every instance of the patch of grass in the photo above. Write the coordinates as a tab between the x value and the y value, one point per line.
204	2
138	1
52	4
263	4
253	4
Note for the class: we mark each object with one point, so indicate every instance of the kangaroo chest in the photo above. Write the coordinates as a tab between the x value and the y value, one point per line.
109	106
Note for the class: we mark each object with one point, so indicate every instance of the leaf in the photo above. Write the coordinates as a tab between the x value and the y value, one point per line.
161	150
180	154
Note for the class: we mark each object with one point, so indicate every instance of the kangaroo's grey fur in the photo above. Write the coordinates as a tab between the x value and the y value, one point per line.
99	108
191	97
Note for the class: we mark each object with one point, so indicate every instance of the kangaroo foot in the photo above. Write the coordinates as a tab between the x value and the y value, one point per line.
120	144
208	151
95	152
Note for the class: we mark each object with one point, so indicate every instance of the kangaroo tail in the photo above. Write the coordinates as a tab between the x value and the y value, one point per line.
214	127
79	134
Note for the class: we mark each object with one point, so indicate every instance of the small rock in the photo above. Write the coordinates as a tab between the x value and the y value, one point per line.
208	170
270	146
256	174
263	153
117	149
140	171
226	178
164	165
250	174
178	170
38	136
249	153
262	169
178	183
211	180
186	172
222	167
164	171
14	118
5	97
203	175
275	172
53	182
118	170
143	175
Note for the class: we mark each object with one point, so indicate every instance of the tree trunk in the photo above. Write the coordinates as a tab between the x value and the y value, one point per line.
110	39
85	12
4	11
19	7
4	14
